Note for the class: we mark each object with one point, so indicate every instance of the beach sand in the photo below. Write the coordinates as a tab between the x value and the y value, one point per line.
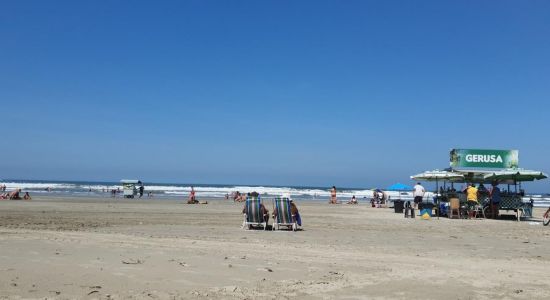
60	248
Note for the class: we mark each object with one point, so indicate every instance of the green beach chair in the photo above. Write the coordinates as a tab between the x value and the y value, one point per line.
253	215
284	216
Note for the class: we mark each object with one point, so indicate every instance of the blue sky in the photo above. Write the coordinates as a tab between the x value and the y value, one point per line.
351	93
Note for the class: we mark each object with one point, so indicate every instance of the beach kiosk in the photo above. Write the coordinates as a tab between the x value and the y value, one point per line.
129	187
486	166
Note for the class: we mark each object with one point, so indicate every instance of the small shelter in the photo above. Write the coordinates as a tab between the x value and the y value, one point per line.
483	166
129	187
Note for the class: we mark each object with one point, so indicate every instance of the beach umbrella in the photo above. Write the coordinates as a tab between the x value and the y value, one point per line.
517	175
399	187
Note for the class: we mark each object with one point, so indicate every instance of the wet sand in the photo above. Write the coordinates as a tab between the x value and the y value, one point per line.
60	248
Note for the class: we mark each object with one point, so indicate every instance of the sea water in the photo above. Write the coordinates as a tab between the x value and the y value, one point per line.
213	191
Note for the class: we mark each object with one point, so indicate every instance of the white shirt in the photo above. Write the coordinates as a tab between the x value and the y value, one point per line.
419	191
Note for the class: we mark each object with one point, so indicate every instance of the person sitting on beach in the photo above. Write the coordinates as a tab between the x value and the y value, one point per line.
353	200
236	196
264	211
293	211
27	196
15	195
192	199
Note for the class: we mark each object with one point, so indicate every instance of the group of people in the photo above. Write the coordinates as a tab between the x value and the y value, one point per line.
114	192
14	195
378	199
472	198
238	196
293	209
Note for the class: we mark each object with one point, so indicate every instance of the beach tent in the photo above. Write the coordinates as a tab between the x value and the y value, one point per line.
399	187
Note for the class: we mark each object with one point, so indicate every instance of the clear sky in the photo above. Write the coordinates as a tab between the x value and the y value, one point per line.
350	93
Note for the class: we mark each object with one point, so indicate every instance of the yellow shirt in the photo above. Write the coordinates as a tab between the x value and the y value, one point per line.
471	193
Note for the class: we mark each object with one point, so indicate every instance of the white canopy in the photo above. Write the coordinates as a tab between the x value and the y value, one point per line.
438	175
515	175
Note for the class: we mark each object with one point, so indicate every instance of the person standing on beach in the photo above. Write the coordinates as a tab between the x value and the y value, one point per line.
418	193
471	197
495	200
141	189
333	195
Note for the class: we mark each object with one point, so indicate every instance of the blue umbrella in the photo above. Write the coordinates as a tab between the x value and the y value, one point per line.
399	187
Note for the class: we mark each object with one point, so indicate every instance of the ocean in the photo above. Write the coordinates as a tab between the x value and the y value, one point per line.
211	191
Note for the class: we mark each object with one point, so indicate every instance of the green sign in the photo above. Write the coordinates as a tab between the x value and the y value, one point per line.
484	159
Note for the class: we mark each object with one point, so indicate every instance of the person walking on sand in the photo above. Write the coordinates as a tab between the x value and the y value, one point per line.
418	193
333	199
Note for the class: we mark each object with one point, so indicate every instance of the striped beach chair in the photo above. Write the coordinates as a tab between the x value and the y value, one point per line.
284	216
253	215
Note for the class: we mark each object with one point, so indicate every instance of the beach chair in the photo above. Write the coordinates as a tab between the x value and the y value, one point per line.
527	210
253	215
284	215
454	208
479	210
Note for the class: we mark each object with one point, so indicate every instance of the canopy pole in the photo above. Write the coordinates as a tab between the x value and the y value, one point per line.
437	196
520	186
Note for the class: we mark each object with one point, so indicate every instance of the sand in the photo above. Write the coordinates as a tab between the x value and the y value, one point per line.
61	248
